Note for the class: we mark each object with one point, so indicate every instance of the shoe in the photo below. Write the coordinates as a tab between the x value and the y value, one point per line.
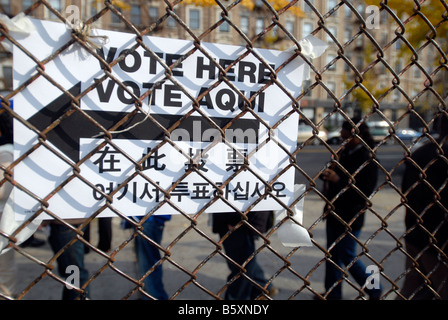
273	291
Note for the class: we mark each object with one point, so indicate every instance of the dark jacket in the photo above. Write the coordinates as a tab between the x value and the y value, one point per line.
350	203
260	220
423	202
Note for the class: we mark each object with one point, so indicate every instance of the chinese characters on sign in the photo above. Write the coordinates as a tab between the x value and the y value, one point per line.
108	162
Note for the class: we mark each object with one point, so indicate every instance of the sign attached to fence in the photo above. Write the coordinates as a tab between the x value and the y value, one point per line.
140	162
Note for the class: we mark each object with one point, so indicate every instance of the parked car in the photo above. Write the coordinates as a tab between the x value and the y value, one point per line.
408	135
334	137
379	130
306	132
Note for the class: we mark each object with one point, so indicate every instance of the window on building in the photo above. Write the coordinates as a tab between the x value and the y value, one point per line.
331	4
417	72
347	34
195	22
26	4
331	85
359	63
384	16
56	4
307	8
115	18
136	16
361	8
307	29
346	65
5	6
171	22
347	11
93	8
259	25
259	3
359	42
384	39
396	96
289	26
381	68
334	31
224	27
244	24
274	31
330	58
153	13
398	67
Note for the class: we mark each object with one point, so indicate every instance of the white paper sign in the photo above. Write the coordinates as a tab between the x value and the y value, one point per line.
141	168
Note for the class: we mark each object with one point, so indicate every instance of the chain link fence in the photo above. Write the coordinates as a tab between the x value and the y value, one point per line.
191	254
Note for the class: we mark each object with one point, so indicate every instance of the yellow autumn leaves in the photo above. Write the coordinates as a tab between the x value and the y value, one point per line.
428	17
121	4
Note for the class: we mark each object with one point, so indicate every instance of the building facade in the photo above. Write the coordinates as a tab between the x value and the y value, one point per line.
354	46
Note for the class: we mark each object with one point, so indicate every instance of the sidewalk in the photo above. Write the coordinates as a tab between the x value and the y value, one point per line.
189	249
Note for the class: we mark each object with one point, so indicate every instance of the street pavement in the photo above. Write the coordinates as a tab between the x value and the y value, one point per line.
188	249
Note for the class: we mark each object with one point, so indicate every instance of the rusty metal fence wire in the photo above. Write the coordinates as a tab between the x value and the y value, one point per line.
192	256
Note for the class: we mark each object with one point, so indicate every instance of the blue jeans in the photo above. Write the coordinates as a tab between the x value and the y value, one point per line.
60	235
239	246
342	254
148	255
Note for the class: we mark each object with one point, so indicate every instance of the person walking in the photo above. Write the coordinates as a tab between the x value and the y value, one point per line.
347	184
148	255
239	246
425	186
8	268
